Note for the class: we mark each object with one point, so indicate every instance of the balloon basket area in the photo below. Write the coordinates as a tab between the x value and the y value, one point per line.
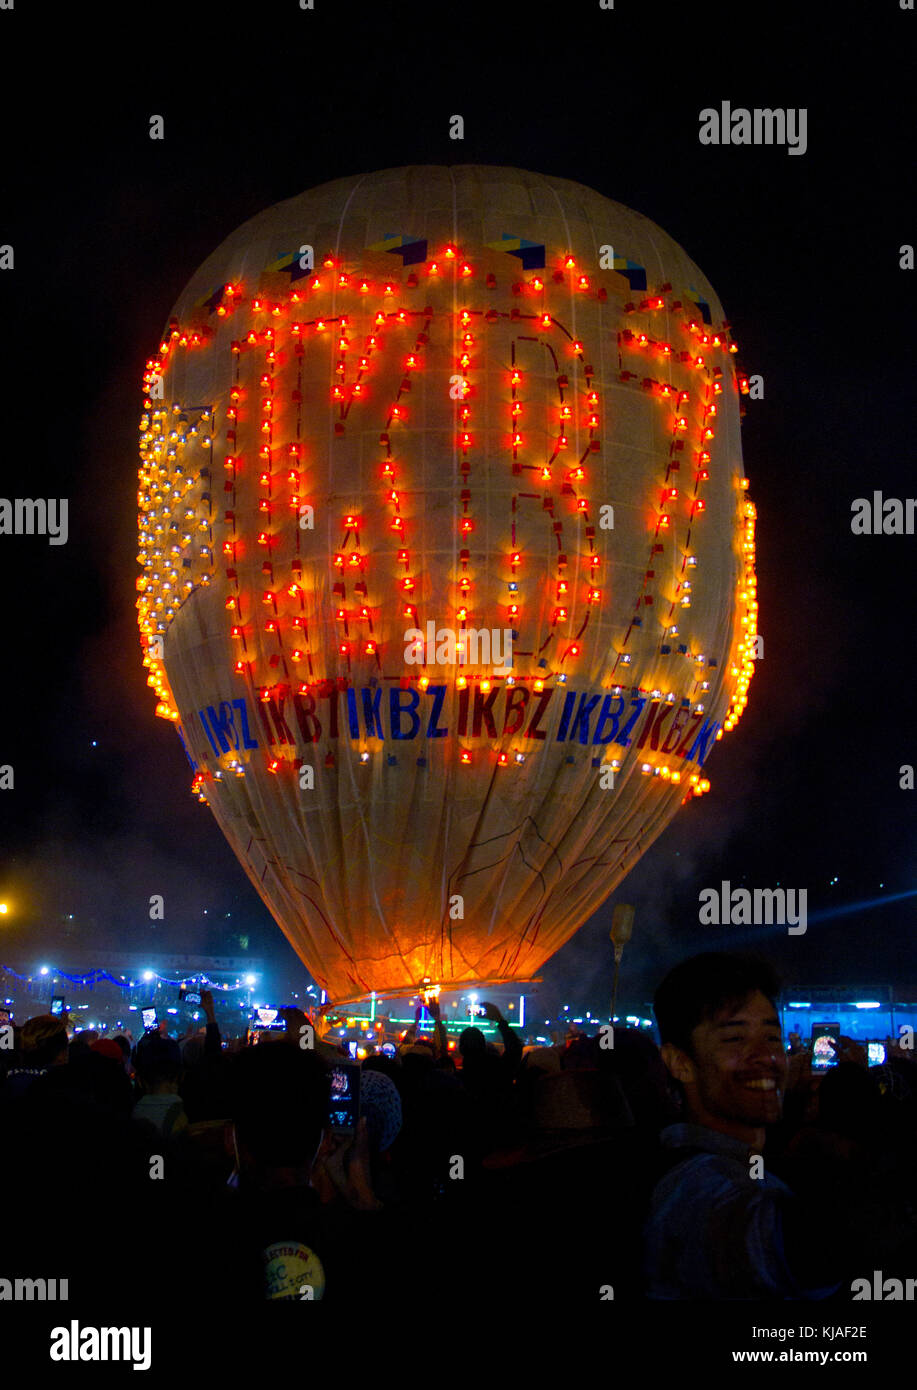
393	1015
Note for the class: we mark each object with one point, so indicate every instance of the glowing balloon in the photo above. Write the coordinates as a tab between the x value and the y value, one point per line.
448	562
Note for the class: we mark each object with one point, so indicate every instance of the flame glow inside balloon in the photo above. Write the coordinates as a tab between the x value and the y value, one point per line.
448	560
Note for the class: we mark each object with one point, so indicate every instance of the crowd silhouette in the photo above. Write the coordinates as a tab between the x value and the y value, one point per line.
718	1165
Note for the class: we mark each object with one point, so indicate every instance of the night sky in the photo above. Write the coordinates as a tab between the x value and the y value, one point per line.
803	251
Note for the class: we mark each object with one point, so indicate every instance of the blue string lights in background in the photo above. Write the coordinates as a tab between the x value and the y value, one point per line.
94	977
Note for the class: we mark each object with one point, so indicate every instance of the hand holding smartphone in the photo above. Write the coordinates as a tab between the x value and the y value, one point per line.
265	1020
344	1103
825	1037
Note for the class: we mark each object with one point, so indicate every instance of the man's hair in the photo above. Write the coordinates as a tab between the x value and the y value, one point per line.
472	1042
43	1038
157	1059
280	1104
701	987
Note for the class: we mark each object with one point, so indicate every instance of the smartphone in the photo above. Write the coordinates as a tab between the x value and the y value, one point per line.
150	1021
188	996
875	1052
344	1107
267	1021
475	1011
825	1038
57	1005
388	1050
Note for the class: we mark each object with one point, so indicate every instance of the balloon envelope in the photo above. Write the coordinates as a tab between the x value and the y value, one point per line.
448	560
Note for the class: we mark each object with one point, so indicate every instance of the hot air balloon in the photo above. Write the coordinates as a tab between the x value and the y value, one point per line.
447	561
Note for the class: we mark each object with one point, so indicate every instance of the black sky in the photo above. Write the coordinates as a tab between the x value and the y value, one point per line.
264	103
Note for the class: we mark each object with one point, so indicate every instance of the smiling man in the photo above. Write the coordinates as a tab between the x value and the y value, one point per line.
720	1226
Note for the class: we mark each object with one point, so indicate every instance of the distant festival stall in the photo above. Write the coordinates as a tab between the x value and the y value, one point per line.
448	561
